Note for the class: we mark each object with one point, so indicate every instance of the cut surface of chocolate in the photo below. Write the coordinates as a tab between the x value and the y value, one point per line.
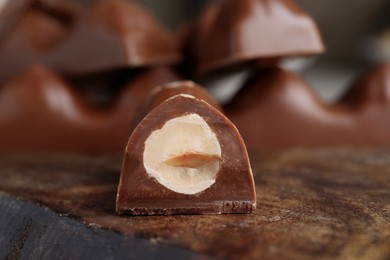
185	157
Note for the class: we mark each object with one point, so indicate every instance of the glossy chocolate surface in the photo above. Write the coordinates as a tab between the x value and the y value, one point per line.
39	30
277	109
40	112
232	192
163	92
236	31
10	12
105	35
114	34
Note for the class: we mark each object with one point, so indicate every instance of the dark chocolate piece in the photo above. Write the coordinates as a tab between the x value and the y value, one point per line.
277	109
185	157
163	92
231	32
39	112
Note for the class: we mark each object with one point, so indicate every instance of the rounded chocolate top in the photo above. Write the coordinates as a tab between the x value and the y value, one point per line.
235	31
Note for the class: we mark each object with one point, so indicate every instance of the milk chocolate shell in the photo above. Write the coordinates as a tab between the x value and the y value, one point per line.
277	109
39	112
163	92
115	34
39	29
369	100
185	157
231	32
10	12
106	35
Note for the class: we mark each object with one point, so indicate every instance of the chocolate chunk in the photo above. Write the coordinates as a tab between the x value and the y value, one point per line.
39	112
163	92
185	157
232	32
277	109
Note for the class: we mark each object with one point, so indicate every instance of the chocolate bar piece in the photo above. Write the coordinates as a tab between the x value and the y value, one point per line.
277	109
232	32
40	112
185	157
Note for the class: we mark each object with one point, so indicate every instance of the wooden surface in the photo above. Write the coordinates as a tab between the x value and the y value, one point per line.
311	204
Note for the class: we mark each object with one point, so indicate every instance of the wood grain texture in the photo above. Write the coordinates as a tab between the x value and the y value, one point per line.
325	204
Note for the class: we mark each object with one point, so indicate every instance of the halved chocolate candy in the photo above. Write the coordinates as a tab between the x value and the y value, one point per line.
163	92
185	157
235	31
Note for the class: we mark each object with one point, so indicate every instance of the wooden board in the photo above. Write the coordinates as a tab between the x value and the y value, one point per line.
311	204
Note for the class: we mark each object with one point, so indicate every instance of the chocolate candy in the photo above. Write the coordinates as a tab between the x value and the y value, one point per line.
106	35
10	12
185	157
277	109
39	112
163	92
232	32
39	30
113	34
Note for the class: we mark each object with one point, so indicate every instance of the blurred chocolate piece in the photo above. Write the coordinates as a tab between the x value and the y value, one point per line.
40	29
115	34
277	109
10	13
185	157
163	92
100	89
371	88
104	36
39	112
369	100
233	32
137	90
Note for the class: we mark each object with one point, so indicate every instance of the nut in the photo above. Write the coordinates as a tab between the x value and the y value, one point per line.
191	160
184	155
